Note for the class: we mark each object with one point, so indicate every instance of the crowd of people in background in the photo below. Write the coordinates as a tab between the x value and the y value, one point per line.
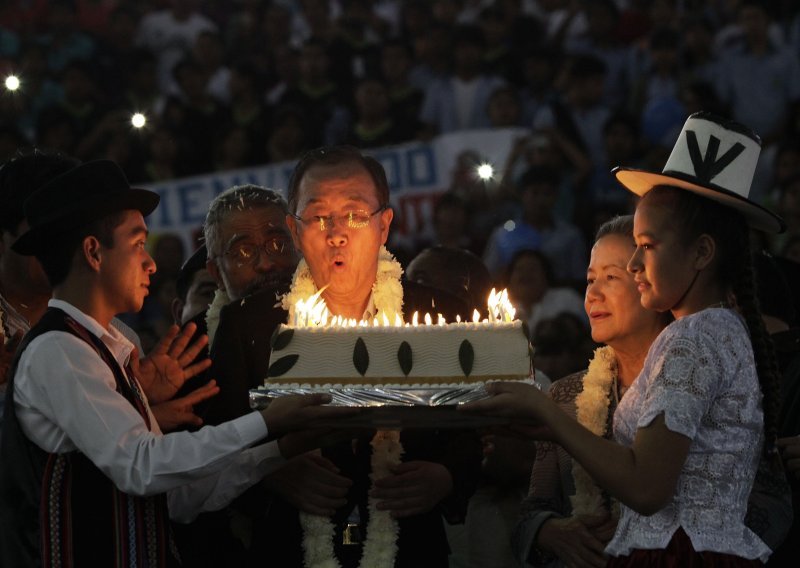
595	83
590	84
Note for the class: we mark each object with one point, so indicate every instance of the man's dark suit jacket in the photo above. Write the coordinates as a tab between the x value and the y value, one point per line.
240	354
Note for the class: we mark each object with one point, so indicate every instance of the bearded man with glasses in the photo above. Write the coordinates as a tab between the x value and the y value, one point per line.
339	218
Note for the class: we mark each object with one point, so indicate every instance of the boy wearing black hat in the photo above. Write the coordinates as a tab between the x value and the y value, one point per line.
85	471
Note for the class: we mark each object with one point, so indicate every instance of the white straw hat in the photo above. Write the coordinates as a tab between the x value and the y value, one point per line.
715	158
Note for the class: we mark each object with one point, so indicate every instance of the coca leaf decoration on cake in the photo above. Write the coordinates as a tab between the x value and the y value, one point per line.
282	365
466	357
281	339
404	358
361	357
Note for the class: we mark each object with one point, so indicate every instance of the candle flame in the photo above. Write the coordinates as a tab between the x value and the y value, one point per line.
500	308
428	319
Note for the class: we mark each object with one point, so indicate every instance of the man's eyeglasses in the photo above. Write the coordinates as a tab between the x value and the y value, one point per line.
355	219
249	252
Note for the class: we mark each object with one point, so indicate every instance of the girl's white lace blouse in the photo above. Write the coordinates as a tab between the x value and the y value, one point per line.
700	373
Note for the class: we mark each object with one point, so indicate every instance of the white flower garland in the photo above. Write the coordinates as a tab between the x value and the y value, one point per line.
592	412
380	547
387	292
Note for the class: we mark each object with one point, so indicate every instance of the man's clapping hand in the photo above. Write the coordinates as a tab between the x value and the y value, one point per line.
170	363
177	412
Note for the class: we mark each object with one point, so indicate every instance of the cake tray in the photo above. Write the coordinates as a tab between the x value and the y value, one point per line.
396	406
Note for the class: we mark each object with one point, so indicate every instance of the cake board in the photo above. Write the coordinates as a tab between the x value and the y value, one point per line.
395	407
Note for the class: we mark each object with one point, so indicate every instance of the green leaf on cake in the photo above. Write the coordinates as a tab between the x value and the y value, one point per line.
404	357
361	357
281	339
466	357
282	365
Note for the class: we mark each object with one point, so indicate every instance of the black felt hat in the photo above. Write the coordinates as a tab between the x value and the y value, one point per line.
86	193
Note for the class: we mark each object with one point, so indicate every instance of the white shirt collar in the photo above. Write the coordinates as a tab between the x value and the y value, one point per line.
117	343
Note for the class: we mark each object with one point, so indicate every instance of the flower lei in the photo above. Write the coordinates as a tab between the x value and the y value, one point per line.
592	412
380	547
387	291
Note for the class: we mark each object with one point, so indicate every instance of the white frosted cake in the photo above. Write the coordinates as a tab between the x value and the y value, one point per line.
425	355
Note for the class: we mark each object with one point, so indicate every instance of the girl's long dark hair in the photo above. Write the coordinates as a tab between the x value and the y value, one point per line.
735	270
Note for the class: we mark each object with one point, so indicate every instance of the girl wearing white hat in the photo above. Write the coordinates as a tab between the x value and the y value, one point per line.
689	432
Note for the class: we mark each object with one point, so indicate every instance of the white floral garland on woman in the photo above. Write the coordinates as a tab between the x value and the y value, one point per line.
592	412
380	547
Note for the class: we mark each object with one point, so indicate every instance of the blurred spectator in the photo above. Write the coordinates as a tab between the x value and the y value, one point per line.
451	217
170	34
538	228
162	159
233	149
697	57
432	45
601	40
313	20
373	125
24	16
760	80
579	113
454	270
208	53
354	49
459	101
405	98
316	95
289	137
194	289
285	62
563	345
504	108
247	109
94	15
621	142
196	115
657	74
497	56
537	69
62	40
532	289
116	55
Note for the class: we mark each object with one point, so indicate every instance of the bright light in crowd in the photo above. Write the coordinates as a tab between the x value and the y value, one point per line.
12	83
485	171
138	120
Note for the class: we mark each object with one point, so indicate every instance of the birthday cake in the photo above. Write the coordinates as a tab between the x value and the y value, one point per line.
440	354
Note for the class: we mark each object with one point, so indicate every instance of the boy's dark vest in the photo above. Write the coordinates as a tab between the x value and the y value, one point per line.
60	510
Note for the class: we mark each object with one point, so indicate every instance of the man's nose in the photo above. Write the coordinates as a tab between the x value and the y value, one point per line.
264	262
337	234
